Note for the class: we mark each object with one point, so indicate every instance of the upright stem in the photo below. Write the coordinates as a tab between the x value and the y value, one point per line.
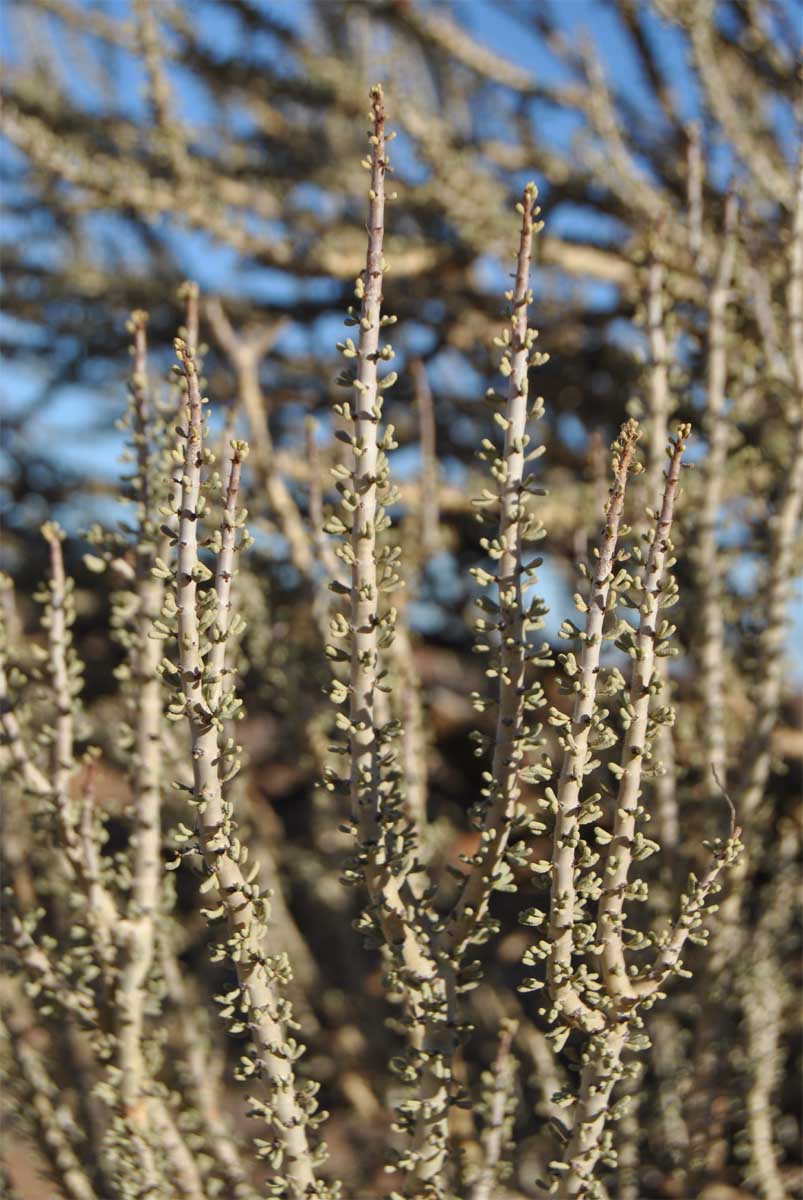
101	915
563	902
428	502
601	1071
136	934
784	526
367	784
470	909
365	771
498	1122
783	530
619	857
659	411
712	650
63	763
659	395
266	1012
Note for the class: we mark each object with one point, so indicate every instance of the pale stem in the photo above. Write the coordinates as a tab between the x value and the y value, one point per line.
503	1072
600	1073
563	901
712	649
620	850
783	532
428	496
244	924
659	409
135	935
475	895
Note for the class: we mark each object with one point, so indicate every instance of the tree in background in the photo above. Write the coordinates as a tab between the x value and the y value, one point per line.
222	141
